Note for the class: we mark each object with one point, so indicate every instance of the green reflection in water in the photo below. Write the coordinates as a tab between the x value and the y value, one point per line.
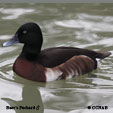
30	97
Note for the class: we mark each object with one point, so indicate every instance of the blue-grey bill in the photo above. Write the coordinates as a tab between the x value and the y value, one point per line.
14	40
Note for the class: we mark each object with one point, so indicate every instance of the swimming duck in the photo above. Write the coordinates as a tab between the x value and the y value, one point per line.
52	63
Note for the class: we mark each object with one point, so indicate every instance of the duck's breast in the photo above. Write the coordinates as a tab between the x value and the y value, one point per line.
30	70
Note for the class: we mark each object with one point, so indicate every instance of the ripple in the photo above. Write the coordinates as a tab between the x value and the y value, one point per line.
10	91
53	111
14	13
69	23
90	37
5	37
95	17
7	62
106	42
96	91
104	82
92	111
3	109
86	25
7	50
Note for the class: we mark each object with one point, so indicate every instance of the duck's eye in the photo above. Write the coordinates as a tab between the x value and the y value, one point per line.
24	31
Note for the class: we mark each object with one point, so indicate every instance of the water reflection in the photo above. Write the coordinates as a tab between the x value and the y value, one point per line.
30	97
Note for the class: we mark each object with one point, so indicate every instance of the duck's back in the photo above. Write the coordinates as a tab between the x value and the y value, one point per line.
52	57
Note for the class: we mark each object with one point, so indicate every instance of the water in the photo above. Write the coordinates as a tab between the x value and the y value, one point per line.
80	25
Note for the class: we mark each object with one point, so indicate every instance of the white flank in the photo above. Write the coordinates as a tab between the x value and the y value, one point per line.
52	74
69	76
72	74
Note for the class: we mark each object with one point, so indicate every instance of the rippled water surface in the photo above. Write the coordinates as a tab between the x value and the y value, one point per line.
80	25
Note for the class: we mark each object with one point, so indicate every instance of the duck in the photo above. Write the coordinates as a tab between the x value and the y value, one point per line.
50	64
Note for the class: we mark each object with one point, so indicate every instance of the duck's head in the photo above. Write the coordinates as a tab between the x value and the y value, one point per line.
31	36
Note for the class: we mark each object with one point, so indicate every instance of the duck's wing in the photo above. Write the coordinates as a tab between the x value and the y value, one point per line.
75	66
52	57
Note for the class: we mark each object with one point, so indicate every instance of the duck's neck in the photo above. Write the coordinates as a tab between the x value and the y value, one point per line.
31	52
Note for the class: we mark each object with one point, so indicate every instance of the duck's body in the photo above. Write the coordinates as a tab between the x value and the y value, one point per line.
52	63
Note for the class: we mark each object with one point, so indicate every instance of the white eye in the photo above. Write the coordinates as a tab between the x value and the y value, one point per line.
24	32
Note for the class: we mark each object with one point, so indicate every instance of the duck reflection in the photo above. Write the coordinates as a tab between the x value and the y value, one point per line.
31	101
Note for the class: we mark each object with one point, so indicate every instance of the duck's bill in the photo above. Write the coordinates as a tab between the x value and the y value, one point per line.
14	40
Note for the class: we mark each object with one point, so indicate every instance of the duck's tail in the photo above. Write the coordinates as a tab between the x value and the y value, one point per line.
103	55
